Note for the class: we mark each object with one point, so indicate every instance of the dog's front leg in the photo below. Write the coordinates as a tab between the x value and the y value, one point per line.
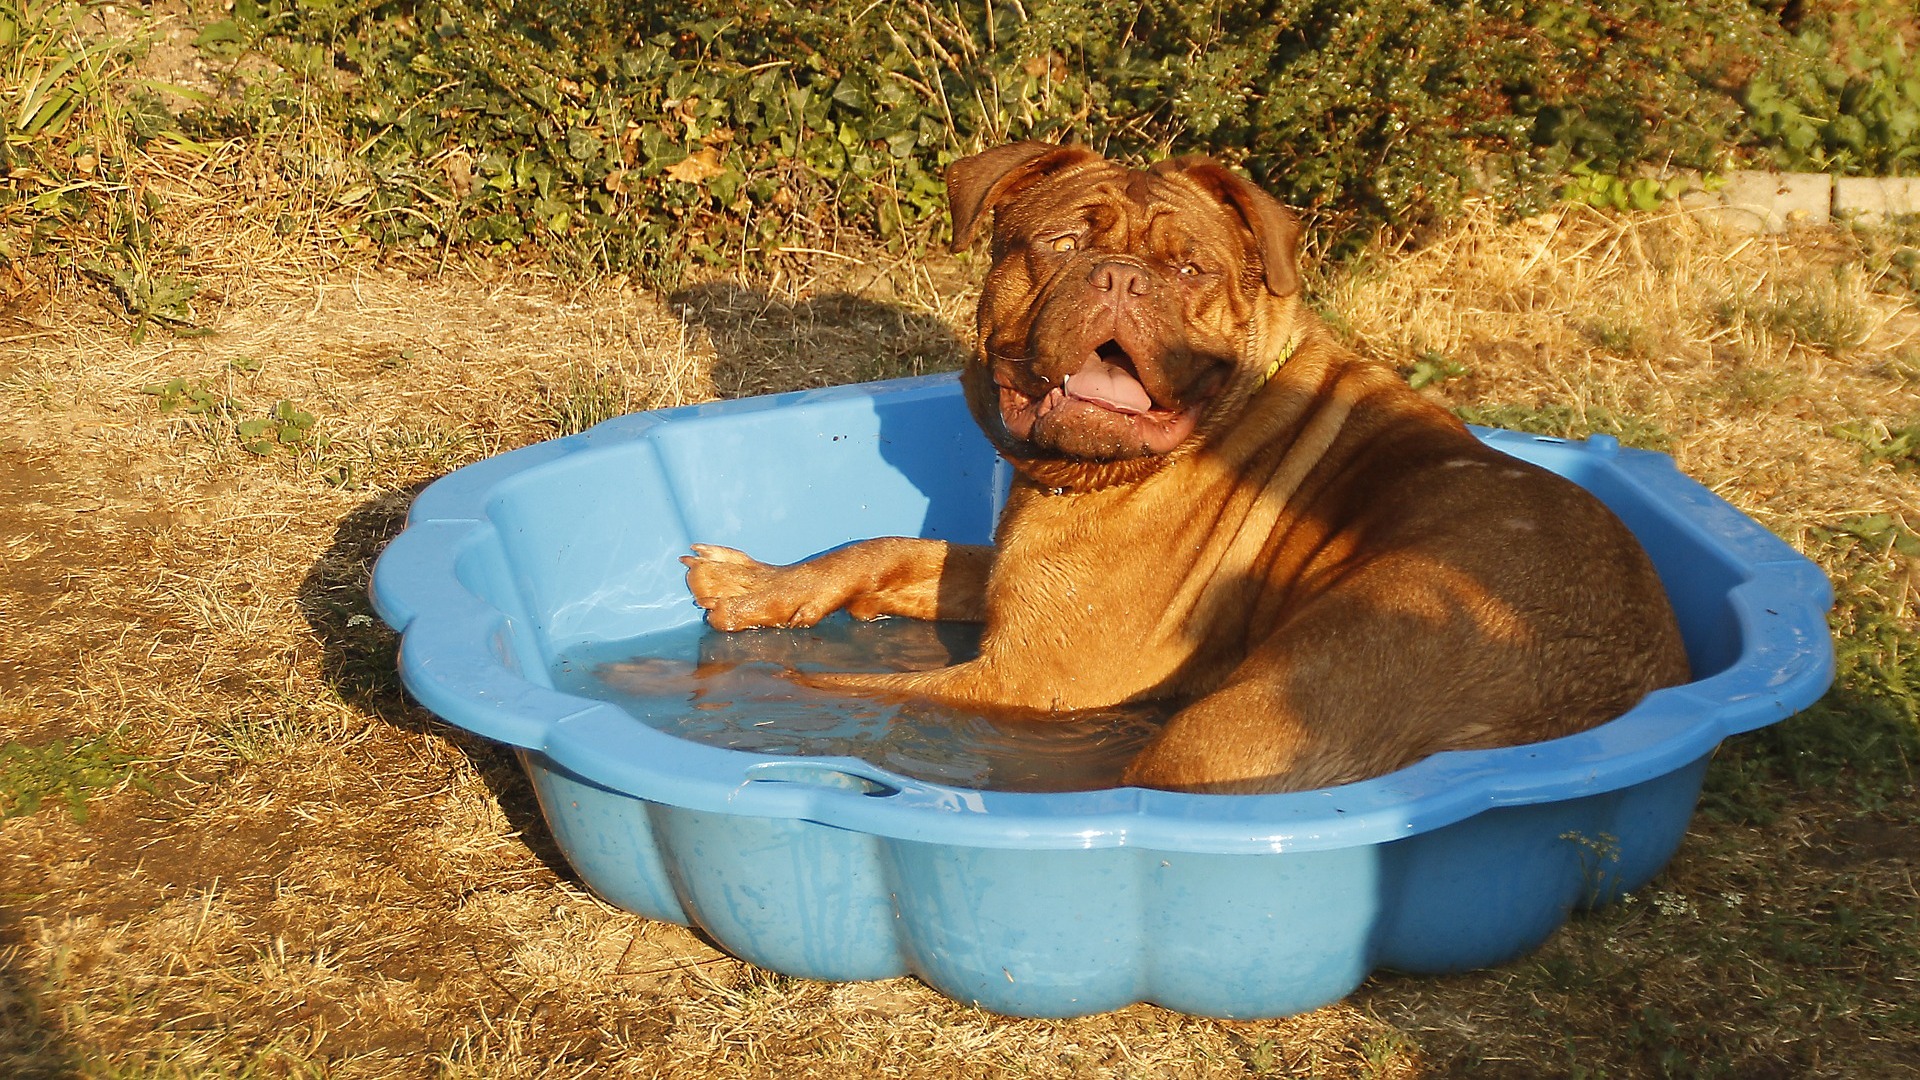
918	579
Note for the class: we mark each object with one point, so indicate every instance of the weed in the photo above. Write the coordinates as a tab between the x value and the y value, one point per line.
1903	264
1656	1035
669	139
1891	253
1568	422
1876	535
1335	319
1432	369
1843	98
150	298
1383	1053
264	732
194	399
1599	861
1263	1059
67	113
286	425
1901	367
53	78
1882	442
65	771
1863	738
435	446
665	139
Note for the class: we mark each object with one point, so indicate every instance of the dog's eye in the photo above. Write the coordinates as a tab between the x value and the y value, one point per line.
1190	270
1064	243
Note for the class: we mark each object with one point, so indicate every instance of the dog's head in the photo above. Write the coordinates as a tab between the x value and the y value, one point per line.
1126	311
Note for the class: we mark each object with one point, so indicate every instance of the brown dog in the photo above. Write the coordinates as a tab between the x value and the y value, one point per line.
1218	504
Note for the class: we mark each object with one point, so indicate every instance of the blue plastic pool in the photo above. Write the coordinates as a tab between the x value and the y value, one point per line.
1051	904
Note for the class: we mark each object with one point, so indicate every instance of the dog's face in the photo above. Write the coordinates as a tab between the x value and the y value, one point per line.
1123	307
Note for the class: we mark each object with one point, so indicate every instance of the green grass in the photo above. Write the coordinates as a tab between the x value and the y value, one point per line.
585	397
1860	744
1822	311
1623	336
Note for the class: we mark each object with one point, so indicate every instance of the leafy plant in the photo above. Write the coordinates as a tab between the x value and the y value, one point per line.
654	139
1608	191
49	72
67	108
1880	441
196	399
286	425
151	298
1879	533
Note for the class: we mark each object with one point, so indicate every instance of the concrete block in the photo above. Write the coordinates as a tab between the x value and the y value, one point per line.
1752	201
1875	199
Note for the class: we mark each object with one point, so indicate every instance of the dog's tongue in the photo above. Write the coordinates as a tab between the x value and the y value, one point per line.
1108	385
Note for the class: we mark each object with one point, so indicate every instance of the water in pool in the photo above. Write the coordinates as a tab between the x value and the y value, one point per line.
727	690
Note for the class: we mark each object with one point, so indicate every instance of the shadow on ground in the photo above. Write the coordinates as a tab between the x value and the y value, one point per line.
767	345
31	1047
359	659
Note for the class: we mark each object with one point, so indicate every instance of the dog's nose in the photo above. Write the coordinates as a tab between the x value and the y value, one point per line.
1121	278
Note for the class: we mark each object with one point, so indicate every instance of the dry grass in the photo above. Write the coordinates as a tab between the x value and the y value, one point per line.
1739	355
324	882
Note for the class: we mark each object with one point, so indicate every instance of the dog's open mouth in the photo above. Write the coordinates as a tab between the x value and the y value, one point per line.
1102	410
1108	379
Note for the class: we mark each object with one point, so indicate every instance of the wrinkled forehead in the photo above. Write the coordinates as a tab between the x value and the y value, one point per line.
1109	196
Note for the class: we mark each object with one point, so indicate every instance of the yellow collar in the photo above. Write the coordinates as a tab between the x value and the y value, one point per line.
1286	354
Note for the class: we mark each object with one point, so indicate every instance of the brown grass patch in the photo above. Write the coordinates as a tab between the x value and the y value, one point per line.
326	882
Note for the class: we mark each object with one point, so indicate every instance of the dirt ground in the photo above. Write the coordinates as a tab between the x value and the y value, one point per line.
285	868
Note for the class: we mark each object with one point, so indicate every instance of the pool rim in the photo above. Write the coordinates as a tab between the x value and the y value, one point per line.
454	646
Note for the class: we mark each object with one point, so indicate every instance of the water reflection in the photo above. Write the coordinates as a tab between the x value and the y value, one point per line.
731	691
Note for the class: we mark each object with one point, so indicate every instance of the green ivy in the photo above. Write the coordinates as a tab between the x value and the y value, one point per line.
653	137
1844	97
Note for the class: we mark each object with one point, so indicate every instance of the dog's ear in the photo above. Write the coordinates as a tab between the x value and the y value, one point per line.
978	183
1276	232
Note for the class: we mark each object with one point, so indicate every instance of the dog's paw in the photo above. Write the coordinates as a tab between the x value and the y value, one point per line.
743	593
